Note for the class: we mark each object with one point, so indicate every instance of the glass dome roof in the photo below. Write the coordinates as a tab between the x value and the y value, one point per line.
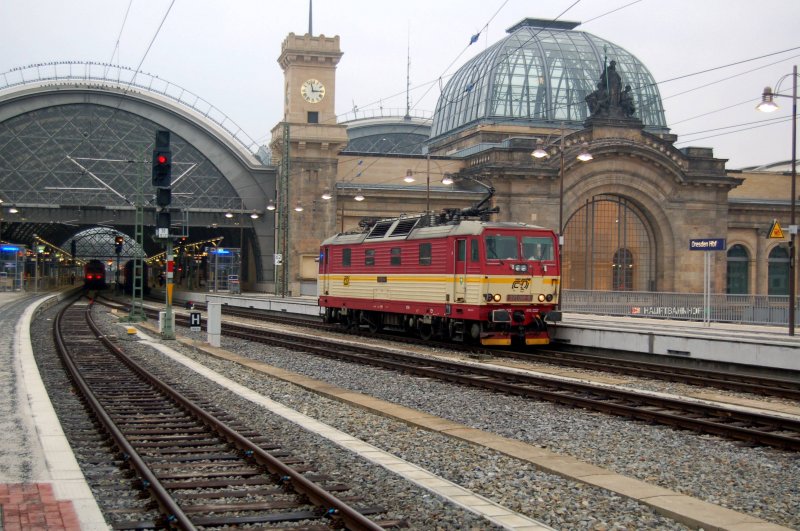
540	74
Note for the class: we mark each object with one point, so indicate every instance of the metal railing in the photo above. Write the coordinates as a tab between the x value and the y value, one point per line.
745	309
89	72
381	112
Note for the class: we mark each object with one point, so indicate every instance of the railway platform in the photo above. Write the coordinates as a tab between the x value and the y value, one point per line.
762	347
41	484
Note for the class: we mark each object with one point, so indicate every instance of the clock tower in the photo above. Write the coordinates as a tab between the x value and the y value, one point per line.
305	148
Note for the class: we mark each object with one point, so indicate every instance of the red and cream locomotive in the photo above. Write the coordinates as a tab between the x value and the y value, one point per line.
454	275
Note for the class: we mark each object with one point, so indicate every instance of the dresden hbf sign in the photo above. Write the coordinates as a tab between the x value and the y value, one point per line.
713	244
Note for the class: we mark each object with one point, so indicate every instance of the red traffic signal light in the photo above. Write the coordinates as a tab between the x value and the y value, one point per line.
162	160
162	169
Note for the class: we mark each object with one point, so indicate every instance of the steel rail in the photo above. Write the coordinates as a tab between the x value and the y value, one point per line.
173	514
629	404
748	383
332	507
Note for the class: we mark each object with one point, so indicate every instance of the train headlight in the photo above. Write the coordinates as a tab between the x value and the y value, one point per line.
488	297
541	297
549	297
496	297
520	268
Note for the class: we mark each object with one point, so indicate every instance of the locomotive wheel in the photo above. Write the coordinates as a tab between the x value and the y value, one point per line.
409	325
374	321
425	330
475	331
347	321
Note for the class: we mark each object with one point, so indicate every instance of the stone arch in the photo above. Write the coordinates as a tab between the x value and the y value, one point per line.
587	183
607	234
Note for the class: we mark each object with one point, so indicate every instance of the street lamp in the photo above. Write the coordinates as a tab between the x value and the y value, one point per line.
584	156
768	105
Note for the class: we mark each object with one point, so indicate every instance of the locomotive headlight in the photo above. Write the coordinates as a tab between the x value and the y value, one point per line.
549	297
520	268
488	297
541	297
496	297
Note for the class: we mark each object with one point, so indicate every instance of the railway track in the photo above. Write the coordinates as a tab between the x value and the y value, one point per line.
731	381
746	427
199	468
750	428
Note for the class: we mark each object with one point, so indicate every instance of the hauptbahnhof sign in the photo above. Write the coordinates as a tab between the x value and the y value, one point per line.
709	244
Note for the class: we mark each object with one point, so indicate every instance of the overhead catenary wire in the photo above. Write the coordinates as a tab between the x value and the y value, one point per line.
115	52
133	77
472	40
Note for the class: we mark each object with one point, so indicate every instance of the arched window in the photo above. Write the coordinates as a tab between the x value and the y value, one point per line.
622	269
738	271
608	227
779	271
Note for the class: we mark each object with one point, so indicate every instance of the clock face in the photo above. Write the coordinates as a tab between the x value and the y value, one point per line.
313	91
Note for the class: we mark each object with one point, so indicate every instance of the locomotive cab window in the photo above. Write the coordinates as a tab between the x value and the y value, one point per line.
369	257
537	248
425	254
346	254
502	248
461	250
473	251
395	256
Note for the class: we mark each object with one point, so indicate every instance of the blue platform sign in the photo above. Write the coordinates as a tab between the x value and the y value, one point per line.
708	244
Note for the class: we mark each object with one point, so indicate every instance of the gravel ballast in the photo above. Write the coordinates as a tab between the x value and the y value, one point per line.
758	481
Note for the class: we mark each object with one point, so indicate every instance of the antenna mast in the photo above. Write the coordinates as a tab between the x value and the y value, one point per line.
408	76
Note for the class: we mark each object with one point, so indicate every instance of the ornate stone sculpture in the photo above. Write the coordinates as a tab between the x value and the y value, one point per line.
610	100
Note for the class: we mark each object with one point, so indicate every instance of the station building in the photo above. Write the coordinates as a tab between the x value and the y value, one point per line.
513	119
627	215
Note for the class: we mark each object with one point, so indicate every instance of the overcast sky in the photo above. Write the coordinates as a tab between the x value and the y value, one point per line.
226	52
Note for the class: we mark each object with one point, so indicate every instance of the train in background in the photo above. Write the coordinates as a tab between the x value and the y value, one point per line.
94	275
455	276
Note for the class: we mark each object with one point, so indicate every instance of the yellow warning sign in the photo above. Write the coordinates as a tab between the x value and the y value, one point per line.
775	231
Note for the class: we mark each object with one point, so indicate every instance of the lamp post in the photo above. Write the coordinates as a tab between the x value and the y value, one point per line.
583	156
768	105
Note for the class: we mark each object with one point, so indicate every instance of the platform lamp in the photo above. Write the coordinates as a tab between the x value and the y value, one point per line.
768	105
